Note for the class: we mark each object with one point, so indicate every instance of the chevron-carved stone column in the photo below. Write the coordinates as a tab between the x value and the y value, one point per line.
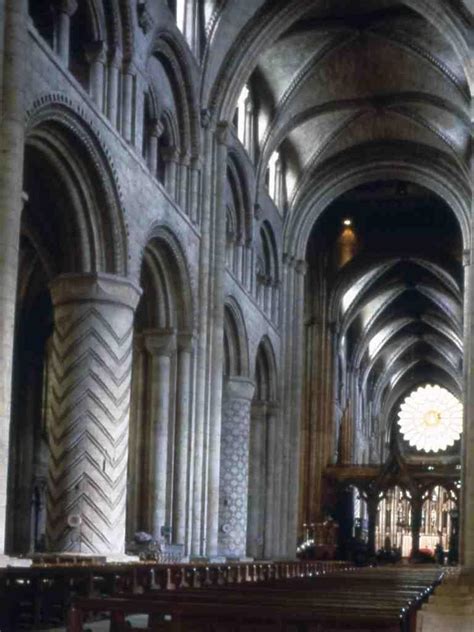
88	413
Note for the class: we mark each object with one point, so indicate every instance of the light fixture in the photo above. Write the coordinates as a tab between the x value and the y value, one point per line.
347	221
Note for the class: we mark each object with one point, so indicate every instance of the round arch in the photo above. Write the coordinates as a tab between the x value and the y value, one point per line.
166	276
265	372
59	134
236	352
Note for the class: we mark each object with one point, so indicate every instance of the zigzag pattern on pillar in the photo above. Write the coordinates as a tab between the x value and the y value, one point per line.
88	416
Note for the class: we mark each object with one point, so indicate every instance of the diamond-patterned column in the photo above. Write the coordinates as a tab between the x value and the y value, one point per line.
234	467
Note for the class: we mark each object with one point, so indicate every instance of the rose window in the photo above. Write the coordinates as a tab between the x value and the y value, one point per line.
430	418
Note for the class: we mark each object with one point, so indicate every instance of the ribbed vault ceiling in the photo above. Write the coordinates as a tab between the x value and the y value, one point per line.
357	73
339	83
397	304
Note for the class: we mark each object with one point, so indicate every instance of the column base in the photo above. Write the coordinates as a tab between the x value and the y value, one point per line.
84	558
16	562
451	607
217	559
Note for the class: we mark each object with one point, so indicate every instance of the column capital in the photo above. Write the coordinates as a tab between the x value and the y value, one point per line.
466	257
169	154
273	408
100	287
257	211
206	117
157	128
196	162
237	387
223	133
96	52
69	7
185	159
301	266
259	410
240	238
185	341
116	57
129	68
160	342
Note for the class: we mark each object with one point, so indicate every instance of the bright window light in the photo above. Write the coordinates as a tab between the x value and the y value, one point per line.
430	418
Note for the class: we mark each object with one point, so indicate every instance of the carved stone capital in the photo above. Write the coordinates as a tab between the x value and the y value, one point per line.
145	18
96	52
185	340
259	410
273	408
69	7
195	163
466	257
156	128
223	133
237	387
206	117
301	266
116	57
100	287
160	341
169	154
185	159
257	211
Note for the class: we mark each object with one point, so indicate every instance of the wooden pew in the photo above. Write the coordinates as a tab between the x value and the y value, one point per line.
41	595
371	600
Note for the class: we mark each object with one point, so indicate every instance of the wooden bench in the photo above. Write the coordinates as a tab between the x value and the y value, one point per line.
41	595
364	601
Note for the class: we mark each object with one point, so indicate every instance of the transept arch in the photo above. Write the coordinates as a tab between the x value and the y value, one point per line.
444	182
